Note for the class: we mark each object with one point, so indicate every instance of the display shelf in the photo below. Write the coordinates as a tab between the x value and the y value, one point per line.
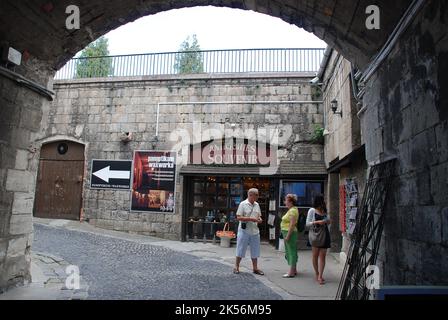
351	191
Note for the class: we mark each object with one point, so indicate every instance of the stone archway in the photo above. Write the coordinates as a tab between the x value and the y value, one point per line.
395	123
342	24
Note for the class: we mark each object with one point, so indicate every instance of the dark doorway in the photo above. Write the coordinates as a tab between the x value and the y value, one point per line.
263	185
59	181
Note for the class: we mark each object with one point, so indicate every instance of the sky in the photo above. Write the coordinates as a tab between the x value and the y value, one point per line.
216	28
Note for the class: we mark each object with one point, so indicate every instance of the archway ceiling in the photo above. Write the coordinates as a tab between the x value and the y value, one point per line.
38	26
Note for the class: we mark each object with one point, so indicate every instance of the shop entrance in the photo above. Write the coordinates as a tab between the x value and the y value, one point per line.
214	202
263	185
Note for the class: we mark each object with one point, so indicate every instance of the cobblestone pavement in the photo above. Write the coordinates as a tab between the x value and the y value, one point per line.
48	281
54	270
119	269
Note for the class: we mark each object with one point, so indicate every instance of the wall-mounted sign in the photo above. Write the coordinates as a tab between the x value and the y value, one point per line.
231	152
111	174
154	181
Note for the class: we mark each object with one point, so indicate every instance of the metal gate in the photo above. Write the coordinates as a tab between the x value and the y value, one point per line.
367	234
59	181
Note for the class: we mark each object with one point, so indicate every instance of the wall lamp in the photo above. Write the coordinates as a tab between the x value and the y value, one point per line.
334	107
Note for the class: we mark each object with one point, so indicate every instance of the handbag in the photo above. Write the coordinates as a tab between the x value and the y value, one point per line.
301	223
281	245
226	233
317	236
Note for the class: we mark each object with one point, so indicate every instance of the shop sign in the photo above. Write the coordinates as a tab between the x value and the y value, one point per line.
231	152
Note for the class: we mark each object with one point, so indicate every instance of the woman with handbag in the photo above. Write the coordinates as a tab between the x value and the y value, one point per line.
290	234
319	235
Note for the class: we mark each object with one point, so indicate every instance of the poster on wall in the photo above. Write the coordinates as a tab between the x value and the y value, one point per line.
153	185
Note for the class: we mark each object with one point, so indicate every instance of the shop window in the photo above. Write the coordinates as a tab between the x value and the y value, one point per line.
210	201
223	188
305	191
198	187
222	202
235	202
235	189
198	202
210	187
213	193
214	202
196	213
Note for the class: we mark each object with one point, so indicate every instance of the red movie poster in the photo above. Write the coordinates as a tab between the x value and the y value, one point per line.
154	181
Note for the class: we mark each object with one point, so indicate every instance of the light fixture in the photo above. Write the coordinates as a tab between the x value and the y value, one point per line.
10	55
334	107
315	82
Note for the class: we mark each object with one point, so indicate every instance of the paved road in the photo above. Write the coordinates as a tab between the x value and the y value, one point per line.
120	269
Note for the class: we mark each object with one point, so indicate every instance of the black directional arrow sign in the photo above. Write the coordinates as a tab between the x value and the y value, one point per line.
111	174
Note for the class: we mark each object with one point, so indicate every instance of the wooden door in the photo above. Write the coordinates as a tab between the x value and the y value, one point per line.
60	181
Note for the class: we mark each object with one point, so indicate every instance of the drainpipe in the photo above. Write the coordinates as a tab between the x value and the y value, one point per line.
323	66
27	83
355	88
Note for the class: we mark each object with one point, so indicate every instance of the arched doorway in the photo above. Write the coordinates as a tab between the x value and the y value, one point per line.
60	180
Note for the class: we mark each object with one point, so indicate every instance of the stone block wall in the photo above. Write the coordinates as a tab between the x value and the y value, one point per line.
407	118
98	111
20	123
344	132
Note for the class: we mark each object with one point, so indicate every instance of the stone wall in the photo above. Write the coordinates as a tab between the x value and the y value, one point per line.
407	118
344	137
20	123
344	133
98	111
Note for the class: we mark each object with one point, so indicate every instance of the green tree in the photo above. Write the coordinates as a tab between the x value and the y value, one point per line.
189	59
94	60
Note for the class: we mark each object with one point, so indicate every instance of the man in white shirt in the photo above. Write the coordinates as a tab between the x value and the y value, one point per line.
249	216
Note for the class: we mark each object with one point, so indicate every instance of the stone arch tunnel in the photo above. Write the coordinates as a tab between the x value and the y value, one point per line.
404	109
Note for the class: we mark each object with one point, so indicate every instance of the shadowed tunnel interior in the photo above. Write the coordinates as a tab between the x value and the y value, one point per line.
403	113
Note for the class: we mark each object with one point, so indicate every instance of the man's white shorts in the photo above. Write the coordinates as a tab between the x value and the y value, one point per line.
243	240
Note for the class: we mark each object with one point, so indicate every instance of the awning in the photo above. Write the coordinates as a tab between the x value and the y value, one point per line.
287	168
335	167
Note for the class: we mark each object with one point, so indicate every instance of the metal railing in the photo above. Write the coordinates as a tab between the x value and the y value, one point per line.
208	61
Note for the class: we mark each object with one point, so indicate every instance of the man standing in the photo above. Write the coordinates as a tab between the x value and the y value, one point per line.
249	216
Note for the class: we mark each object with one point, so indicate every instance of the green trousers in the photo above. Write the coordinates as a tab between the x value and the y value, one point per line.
291	248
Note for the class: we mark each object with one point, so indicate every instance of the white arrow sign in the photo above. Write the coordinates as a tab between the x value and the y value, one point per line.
105	174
